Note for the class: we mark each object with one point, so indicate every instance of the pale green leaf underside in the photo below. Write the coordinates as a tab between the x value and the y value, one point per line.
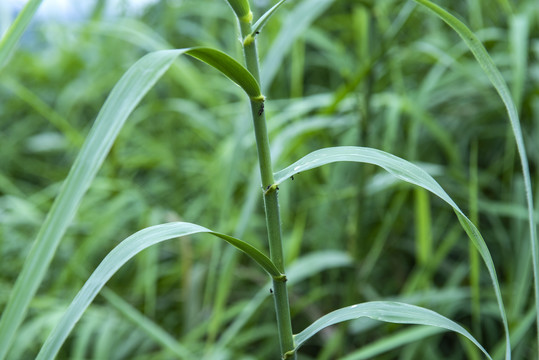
122	253
398	167
496	78
123	99
403	170
393	312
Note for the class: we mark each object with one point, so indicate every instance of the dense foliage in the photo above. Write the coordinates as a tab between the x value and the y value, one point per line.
383	74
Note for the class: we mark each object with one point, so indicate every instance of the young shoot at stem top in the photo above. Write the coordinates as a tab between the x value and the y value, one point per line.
241	9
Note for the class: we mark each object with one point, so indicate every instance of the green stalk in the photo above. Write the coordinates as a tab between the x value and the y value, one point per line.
271	202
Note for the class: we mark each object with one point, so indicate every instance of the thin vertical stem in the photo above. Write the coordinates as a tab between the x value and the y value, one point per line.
271	202
475	270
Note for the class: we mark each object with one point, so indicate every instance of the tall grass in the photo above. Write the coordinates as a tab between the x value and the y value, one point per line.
360	81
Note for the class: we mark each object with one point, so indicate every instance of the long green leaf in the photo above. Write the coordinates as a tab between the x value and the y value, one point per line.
123	99
393	341
496	78
410	173
15	31
154	331
393	312
122	253
295	24
228	66
257	27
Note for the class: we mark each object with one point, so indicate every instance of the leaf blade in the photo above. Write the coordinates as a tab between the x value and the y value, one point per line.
410	173
133	85
15	31
122	253
259	24
387	311
122	100
497	80
295	24
229	67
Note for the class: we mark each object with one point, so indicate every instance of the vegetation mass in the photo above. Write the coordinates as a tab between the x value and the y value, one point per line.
377	163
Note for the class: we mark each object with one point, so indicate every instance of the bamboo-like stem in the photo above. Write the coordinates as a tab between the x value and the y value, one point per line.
271	202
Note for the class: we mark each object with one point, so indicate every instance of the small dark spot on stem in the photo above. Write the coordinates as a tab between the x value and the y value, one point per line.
261	110
271	291
292	178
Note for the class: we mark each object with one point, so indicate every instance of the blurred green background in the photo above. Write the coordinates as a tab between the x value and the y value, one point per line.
384	74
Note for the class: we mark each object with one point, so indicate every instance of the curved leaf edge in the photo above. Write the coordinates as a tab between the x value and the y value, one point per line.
257	27
496	79
229	67
410	173
120	103
118	257
11	37
387	311
122	100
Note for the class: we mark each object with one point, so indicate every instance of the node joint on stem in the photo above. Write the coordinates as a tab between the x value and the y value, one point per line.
271	188
289	354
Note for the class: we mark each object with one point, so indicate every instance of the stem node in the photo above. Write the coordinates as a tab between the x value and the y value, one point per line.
271	188
289	354
271	203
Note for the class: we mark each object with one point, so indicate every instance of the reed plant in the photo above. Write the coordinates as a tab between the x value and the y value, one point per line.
298	245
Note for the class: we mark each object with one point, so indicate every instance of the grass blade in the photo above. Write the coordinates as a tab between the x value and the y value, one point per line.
153	330
135	83
423	221
401	338
14	33
40	106
123	99
229	67
257	27
393	312
122	253
519	34
496	78
410	173
295	24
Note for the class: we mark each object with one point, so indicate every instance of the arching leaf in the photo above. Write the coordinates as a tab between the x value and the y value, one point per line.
122	253
123	99
410	173
393	312
257	27
496	79
229	67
